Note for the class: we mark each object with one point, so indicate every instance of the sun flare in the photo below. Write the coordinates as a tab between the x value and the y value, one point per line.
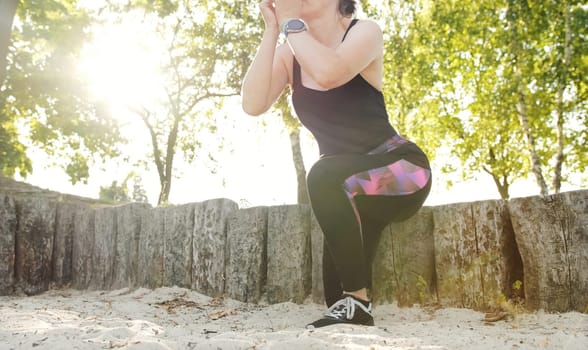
122	66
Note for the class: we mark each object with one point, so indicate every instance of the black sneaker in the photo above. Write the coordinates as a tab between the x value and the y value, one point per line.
347	310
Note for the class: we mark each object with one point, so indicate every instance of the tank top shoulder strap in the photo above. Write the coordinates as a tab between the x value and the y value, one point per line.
353	22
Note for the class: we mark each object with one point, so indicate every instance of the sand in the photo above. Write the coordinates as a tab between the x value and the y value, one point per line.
177	318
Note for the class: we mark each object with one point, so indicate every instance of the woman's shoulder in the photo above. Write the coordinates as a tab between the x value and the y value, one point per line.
368	25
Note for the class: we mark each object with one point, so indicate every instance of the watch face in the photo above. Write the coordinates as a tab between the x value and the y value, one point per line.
295	24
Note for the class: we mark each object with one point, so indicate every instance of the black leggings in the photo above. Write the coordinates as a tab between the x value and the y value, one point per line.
354	197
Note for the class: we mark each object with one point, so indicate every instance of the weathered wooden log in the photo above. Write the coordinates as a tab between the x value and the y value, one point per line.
473	244
404	266
104	248
63	245
34	244
128	232
151	248
246	254
552	236
83	247
215	248
8	224
209	245
289	254
177	251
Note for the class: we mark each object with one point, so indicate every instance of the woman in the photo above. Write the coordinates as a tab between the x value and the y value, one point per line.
367	175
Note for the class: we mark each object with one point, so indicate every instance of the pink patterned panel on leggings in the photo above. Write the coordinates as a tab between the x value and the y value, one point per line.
397	179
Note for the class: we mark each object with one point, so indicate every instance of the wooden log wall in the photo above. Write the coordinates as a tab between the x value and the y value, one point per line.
469	255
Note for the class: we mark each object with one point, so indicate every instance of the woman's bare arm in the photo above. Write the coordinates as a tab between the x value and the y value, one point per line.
267	76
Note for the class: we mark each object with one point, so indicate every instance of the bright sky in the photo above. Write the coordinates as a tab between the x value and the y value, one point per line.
122	66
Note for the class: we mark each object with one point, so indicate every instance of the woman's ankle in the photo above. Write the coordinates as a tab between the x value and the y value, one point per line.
360	294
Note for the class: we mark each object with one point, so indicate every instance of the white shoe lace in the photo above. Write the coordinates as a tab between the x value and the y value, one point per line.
345	308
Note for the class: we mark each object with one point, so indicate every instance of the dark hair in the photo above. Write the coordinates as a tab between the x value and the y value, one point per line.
347	7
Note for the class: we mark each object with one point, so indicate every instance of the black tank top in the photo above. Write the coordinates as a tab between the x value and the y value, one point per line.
348	119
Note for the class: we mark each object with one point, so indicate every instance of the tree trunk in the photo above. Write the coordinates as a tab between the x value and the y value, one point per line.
529	138
7	13
299	166
169	161
522	104
559	159
293	127
502	186
159	161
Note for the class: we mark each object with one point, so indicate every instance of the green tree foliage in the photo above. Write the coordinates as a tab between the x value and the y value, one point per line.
115	193
7	13
12	152
139	194
122	193
498	84
42	99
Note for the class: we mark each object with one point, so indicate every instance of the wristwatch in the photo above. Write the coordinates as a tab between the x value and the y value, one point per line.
294	25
